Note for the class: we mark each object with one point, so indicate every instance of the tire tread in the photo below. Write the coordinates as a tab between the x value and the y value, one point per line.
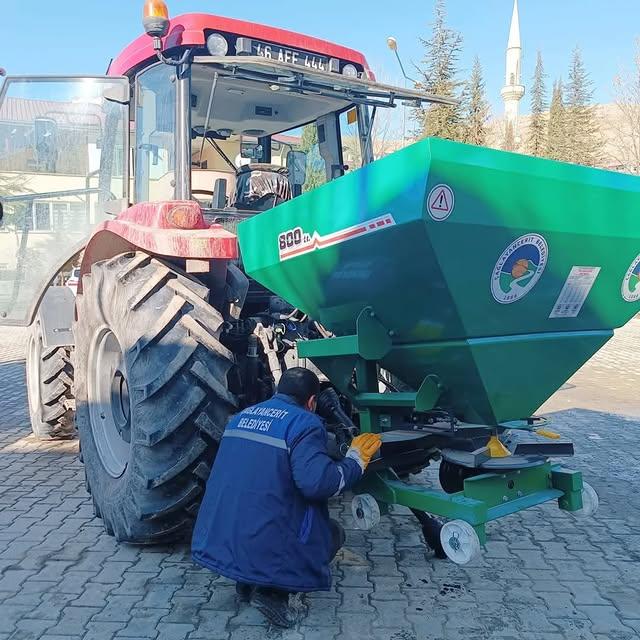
177	373
53	418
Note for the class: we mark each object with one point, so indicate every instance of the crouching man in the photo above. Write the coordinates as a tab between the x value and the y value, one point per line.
264	520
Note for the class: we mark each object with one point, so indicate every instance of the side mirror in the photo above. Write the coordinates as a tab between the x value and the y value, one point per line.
297	167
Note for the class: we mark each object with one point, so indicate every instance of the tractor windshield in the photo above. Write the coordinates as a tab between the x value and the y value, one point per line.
260	130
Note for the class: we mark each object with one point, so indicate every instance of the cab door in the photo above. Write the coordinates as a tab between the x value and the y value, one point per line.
63	167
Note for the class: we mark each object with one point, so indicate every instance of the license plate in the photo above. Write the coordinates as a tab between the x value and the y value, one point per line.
292	56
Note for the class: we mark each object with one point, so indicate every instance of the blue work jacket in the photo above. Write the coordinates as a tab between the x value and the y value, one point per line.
264	519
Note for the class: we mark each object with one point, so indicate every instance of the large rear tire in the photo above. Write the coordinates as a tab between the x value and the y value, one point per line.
49	388
152	395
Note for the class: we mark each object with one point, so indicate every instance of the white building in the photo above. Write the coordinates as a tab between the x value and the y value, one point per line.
513	89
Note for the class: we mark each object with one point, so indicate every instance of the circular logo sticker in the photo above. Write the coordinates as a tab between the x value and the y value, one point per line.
631	282
441	202
519	268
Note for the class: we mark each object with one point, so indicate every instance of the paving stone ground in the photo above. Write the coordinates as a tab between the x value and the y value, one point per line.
543	575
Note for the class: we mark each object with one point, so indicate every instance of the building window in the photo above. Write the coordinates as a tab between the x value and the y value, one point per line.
57	216
42	216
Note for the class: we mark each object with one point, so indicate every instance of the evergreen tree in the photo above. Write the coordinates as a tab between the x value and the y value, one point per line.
316	174
582	125
438	76
476	107
557	129
309	137
537	135
17	219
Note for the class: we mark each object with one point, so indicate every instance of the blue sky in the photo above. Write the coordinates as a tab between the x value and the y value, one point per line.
80	36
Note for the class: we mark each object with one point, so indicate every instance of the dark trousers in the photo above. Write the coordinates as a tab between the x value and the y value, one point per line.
338	538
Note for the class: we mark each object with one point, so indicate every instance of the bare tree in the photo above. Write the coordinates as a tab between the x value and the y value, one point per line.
626	125
389	130
509	142
386	137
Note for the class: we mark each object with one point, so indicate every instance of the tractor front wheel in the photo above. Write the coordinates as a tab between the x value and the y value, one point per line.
50	388
152	395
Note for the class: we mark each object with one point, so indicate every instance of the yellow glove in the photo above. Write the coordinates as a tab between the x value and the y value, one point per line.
363	448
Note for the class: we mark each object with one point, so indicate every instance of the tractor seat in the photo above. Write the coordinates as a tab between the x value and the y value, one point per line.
261	186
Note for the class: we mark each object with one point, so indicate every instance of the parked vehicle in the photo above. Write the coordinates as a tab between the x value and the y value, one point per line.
74	280
451	275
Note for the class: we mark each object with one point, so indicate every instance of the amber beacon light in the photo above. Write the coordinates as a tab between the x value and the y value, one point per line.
155	18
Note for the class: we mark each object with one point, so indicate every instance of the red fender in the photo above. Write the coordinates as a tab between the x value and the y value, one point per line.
174	229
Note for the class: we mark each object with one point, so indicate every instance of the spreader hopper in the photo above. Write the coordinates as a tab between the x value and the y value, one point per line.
494	274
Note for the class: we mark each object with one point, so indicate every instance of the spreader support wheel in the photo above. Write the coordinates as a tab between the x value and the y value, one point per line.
590	502
460	541
365	511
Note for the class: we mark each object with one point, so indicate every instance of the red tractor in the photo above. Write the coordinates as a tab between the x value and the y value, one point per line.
147	171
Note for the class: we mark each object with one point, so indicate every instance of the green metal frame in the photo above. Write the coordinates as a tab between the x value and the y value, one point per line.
485	497
338	357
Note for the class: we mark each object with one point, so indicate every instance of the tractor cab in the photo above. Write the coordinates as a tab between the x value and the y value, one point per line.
258	130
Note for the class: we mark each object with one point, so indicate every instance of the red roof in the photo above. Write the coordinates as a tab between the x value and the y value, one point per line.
23	110
281	137
189	30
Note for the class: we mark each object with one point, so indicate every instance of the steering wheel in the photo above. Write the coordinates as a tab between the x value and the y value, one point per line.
204	192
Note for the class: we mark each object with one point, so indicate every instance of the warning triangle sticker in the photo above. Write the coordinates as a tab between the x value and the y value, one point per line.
441	202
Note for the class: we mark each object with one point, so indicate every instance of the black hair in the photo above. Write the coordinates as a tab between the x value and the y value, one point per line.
300	384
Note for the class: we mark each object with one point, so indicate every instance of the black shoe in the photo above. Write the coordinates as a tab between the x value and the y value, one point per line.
274	606
244	592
